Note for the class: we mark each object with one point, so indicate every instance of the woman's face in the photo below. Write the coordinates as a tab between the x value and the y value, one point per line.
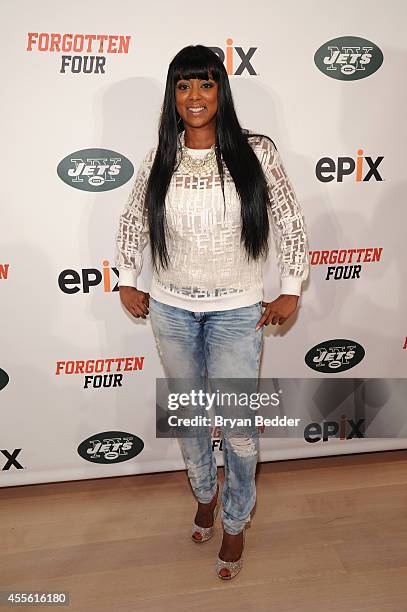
198	94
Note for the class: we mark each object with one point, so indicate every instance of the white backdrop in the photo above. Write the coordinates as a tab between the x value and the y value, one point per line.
49	226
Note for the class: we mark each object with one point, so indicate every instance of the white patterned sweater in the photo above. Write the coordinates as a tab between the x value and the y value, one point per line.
208	267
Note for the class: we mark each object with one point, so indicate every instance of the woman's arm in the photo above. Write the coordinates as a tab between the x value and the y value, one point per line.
132	234
287	223
288	227
131	238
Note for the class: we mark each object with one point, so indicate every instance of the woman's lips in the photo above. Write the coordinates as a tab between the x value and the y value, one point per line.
196	110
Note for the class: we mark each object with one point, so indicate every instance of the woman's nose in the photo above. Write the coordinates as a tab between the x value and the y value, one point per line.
194	92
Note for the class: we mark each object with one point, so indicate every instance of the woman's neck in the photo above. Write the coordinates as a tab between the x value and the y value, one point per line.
199	138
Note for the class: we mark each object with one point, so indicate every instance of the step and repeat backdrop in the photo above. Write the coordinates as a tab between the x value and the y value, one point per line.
82	90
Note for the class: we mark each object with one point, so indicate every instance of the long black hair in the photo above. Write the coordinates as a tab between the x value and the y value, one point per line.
231	146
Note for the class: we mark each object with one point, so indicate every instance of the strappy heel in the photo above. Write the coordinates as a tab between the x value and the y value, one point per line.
234	567
207	532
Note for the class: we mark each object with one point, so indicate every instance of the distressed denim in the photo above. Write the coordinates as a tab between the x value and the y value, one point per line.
215	344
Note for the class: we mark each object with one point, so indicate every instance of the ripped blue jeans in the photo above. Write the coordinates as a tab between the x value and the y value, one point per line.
223	344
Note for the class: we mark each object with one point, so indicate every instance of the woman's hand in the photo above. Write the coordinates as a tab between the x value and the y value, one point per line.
135	301
278	311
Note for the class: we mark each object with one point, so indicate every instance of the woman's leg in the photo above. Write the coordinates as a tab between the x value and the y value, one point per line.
232	350
179	337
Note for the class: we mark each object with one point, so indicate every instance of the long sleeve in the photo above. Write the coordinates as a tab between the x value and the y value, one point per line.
132	234
287	223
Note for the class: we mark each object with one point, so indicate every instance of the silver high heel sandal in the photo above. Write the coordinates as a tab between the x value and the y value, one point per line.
207	532
234	567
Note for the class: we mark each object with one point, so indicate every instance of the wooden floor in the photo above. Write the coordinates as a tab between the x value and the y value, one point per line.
328	534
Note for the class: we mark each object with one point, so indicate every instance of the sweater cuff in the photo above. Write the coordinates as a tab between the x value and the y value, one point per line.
127	277
291	285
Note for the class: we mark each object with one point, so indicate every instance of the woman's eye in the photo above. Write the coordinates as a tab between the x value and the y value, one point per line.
184	86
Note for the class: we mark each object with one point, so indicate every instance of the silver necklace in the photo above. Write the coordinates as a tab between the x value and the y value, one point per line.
197	166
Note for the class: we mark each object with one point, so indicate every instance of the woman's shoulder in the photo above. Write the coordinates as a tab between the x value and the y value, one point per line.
264	147
145	164
149	156
260	141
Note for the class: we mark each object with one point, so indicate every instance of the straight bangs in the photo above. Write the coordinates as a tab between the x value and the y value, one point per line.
196	67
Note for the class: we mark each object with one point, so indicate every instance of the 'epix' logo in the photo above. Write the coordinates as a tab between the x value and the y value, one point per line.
71	281
11	459
227	57
346	429
364	168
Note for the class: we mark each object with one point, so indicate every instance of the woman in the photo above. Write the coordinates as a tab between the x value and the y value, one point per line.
205	199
